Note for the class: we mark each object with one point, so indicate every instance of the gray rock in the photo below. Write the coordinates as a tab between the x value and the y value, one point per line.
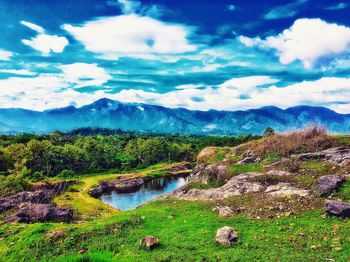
338	208
328	183
224	211
209	173
337	155
248	158
149	242
226	236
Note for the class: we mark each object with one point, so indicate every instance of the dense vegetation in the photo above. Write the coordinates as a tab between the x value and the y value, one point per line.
35	157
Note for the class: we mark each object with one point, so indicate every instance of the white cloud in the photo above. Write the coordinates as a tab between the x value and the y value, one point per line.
5	55
56	90
82	74
47	91
131	35
34	27
43	42
306	40
23	72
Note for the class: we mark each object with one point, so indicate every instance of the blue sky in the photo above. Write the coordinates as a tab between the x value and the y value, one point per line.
201	55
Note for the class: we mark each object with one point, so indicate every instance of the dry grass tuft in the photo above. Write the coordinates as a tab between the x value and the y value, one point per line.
310	139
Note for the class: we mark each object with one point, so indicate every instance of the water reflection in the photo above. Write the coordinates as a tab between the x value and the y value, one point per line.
150	190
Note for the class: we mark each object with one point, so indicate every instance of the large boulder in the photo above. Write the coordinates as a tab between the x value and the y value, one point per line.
149	242
30	213
205	174
338	208
226	236
328	183
62	214
129	185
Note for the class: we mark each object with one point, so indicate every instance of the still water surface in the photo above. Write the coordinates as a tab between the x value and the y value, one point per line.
150	190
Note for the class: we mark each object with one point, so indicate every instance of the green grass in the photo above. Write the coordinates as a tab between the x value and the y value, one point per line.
187	233
238	169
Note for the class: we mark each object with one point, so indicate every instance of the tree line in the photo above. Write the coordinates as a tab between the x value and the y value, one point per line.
36	157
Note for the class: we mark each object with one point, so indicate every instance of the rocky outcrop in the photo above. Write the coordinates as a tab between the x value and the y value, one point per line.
205	174
183	168
337	155
226	236
29	213
338	208
328	183
149	242
129	185
248	158
285	189
43	195
236	186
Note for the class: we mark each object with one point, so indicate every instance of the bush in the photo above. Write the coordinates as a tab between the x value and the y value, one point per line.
12	184
67	173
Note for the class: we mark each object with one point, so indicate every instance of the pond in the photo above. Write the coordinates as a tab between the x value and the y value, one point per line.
149	190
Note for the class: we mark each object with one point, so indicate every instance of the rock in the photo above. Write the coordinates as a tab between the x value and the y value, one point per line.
337	155
226	236
43	194
338	208
29	213
81	251
285	189
55	234
328	183
129	185
95	192
149	242
62	214
248	158
224	211
179	168
209	173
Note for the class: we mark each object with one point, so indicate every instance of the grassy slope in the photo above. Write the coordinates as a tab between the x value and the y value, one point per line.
186	231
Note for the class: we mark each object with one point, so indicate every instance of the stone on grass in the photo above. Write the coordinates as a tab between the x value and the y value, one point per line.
226	236
224	211
328	183
149	242
338	208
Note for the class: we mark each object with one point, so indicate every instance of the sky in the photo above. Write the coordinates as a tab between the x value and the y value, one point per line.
195	54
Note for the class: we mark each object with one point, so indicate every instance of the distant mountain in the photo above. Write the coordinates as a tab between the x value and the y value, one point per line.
112	114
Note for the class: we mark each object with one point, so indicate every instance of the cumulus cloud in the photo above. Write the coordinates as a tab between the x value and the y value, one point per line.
43	42
307	40
55	90
46	91
5	55
131	35
82	74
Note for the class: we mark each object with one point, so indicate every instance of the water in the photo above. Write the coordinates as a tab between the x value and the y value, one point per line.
150	190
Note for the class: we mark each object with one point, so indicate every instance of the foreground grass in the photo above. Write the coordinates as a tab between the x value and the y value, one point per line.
186	231
77	196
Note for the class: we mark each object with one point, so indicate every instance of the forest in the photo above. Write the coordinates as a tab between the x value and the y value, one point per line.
30	157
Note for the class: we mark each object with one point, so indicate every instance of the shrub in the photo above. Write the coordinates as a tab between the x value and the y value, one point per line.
66	173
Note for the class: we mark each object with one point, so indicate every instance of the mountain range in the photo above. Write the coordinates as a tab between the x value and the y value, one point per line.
111	114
